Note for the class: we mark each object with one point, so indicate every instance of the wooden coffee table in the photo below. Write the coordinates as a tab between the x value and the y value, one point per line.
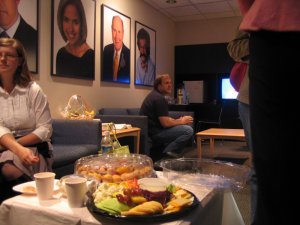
135	132
219	133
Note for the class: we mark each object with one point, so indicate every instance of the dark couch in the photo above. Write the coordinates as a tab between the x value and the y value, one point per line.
131	116
73	139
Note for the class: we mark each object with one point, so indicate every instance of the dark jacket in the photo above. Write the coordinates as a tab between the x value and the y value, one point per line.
124	64
27	35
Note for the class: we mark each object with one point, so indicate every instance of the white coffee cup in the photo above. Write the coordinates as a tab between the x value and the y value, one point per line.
76	188
44	182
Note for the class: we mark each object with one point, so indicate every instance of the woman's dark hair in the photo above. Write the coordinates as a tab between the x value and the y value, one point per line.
22	75
60	17
143	34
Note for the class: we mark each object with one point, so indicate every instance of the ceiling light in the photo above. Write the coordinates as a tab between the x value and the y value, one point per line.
171	1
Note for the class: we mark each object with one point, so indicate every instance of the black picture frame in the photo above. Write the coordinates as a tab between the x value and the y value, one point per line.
63	63
145	72
28	31
107	46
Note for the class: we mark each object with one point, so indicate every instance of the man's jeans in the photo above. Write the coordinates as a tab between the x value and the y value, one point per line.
174	138
244	113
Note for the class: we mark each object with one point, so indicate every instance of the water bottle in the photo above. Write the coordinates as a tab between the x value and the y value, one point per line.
179	96
106	144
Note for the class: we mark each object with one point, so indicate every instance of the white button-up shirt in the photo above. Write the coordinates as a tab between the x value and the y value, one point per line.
25	110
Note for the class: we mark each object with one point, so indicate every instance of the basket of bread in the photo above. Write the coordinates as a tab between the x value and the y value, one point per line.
115	168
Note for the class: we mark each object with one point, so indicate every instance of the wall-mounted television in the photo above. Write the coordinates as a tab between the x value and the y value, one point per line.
227	91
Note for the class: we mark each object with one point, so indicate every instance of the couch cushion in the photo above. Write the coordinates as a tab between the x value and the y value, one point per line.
133	111
66	154
113	111
76	132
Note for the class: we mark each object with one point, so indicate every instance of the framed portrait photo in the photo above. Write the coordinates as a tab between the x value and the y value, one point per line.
25	29
115	46
73	39
145	55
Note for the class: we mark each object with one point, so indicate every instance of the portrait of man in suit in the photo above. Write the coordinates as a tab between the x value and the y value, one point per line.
116	56
13	25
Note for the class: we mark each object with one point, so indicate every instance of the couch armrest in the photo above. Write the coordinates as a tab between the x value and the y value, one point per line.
113	111
76	132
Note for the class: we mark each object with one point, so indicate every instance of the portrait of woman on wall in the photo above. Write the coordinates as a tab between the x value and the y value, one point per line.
76	57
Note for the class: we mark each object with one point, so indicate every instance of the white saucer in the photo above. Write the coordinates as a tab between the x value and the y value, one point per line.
20	187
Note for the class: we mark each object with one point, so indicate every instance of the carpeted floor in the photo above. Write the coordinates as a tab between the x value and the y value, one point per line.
235	152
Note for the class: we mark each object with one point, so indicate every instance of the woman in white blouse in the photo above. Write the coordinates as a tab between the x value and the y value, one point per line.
25	120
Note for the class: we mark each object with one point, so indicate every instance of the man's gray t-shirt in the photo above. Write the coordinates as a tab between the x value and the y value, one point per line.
154	106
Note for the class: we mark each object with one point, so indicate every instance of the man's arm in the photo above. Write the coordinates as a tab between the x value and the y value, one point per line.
167	121
25	154
238	48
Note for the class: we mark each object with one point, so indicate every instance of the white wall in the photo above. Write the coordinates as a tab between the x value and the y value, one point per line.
206	31
104	94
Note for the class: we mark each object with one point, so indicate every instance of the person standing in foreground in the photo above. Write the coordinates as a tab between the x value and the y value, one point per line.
238	49
274	42
175	134
25	120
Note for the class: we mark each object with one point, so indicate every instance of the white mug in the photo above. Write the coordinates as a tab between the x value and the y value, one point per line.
44	182
76	188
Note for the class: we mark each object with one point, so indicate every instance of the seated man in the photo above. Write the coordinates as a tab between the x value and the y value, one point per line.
174	134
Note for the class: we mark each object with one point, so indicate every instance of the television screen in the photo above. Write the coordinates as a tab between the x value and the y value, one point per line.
227	91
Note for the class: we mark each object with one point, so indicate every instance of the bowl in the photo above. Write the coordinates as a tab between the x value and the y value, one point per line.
203	172
152	184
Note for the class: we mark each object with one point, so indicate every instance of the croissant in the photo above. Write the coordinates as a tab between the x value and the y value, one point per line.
146	208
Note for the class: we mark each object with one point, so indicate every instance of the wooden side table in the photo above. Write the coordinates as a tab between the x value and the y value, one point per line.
220	133
134	131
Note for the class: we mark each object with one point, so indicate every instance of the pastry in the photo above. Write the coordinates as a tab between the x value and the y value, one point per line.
29	189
